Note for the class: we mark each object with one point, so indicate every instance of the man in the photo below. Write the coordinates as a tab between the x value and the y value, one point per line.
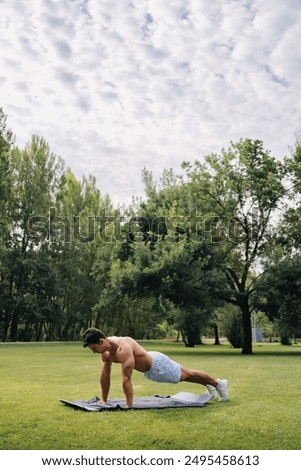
154	365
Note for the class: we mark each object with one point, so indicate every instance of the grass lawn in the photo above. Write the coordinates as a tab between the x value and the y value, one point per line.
263	412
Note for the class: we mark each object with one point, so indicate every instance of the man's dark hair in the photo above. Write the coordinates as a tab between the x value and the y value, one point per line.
92	336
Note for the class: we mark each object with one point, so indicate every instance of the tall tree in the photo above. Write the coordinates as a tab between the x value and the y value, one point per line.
6	191
35	174
77	235
241	189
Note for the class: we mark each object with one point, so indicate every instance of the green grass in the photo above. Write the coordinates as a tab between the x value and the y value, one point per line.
263	411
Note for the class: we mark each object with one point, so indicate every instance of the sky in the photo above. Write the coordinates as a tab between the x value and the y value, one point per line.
115	86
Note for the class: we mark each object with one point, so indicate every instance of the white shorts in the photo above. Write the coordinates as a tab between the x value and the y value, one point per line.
163	369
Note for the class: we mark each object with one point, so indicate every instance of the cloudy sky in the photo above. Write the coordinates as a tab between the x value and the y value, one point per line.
118	85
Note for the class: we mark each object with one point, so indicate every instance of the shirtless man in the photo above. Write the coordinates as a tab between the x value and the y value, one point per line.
154	365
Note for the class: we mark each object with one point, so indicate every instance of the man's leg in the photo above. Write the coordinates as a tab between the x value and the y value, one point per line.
213	385
197	376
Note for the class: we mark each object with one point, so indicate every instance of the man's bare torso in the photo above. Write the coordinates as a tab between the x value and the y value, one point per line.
122	348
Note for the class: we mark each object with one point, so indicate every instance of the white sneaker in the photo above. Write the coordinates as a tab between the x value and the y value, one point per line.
212	391
222	389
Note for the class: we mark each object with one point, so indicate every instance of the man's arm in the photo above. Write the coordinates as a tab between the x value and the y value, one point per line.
105	378
127	366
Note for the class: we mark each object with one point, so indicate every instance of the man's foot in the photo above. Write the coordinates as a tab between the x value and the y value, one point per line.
212	391
222	389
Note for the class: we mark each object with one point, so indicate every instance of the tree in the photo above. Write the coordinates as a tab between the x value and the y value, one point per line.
241	190
76	238
279	296
34	173
6	142
229	317
184	274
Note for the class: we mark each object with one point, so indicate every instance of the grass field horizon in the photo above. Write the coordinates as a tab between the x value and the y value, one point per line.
263	411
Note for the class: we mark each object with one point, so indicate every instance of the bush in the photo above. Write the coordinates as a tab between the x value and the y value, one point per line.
231	325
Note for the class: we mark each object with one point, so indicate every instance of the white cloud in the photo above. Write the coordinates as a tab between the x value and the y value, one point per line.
118	86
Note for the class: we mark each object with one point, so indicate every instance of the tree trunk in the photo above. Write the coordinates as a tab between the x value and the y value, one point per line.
14	326
191	334
246	328
216	335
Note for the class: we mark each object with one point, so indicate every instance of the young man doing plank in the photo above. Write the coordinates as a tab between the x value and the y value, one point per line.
154	365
